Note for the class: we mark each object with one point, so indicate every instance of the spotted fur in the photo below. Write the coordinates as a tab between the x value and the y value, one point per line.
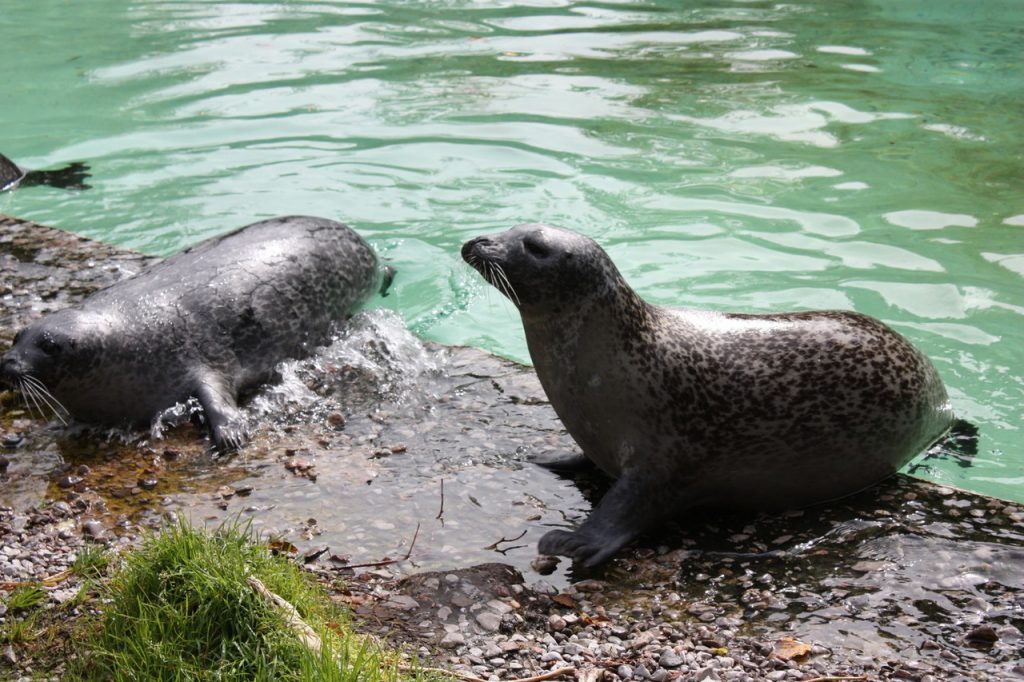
691	407
211	322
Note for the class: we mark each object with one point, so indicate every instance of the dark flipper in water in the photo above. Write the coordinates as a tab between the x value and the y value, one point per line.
71	176
960	444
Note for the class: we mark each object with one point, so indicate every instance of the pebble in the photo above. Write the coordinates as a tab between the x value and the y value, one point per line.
488	620
670	659
452	640
983	634
93	529
544	564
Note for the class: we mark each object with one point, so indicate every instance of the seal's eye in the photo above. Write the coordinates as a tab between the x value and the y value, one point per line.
535	248
49	346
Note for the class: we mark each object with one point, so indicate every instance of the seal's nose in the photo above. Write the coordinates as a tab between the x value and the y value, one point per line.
10	368
470	247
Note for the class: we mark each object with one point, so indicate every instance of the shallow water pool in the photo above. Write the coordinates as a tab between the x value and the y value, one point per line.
745	156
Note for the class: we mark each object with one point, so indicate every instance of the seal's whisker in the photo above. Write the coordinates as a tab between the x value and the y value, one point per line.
29	392
47	394
492	278
509	289
44	394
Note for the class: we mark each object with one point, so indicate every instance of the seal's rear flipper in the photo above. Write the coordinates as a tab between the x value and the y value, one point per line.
959	444
387	277
963	437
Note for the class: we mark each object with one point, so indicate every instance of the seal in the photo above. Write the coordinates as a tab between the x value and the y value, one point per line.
687	407
211	322
71	176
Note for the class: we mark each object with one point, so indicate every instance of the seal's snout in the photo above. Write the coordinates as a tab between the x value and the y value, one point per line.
10	369
480	252
474	248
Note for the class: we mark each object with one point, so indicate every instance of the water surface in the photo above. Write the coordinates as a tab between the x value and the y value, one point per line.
745	156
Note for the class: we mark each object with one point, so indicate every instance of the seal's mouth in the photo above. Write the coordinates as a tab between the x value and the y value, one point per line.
478	253
34	392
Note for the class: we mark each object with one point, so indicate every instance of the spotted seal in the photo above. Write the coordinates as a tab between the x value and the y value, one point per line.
71	176
688	407
211	322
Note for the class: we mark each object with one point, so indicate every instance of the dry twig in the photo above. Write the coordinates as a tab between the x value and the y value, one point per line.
441	512
551	674
51	581
311	640
305	633
388	562
504	539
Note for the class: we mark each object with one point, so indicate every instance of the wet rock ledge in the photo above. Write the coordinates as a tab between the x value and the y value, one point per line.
908	581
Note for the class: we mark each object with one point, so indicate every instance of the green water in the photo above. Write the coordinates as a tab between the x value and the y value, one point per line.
736	155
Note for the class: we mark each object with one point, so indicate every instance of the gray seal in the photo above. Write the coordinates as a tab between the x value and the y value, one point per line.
211	322
71	176
687	407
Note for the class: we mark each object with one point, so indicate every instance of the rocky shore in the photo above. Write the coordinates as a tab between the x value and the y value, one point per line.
909	581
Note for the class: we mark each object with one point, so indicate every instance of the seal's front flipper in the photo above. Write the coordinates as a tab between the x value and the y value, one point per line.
387	276
562	461
227	426
629	507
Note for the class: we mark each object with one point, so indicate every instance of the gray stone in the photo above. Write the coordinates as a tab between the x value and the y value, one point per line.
402	602
544	587
708	674
452	640
670	659
489	621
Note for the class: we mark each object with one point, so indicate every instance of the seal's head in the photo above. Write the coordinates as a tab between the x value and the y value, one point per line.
544	270
47	353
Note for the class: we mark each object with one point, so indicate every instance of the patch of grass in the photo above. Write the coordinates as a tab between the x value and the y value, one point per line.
91	562
180	609
25	597
19	630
